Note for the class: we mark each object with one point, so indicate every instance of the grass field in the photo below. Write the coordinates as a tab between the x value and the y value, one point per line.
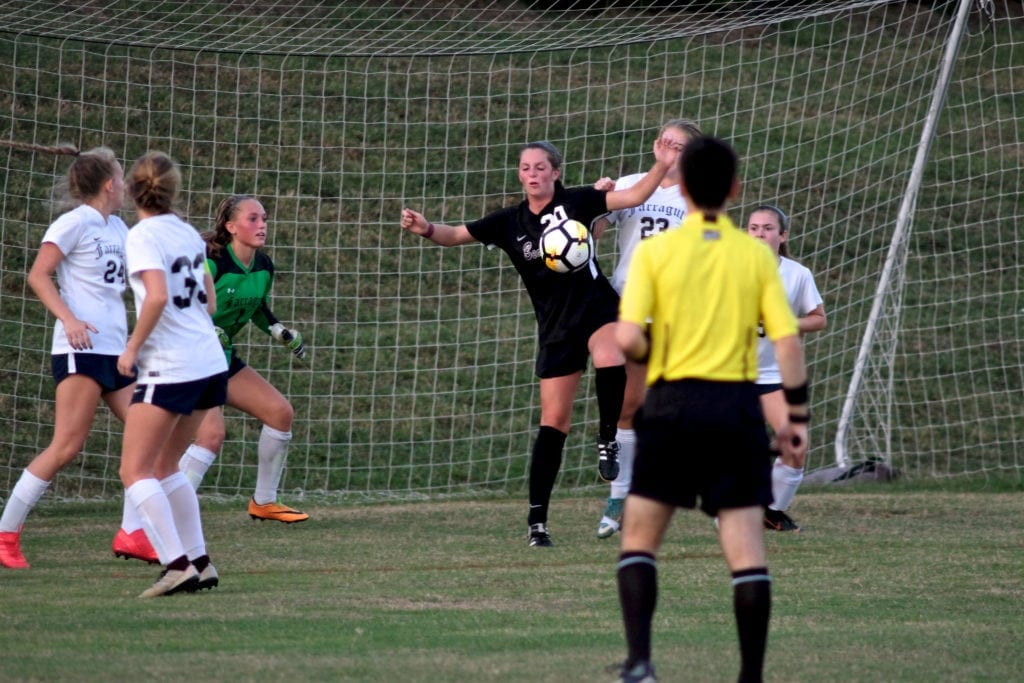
884	584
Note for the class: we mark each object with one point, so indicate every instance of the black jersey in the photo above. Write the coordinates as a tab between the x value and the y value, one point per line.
562	302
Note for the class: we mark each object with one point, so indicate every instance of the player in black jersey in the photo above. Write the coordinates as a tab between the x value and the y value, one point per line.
575	312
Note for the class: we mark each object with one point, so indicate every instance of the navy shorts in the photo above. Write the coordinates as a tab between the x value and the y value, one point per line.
706	441
97	366
763	389
184	397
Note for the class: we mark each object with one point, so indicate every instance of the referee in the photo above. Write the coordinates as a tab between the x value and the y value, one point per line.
691	307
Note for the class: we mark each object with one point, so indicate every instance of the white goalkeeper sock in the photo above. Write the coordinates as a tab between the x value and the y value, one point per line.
785	480
150	501
271	452
627	450
195	461
185	508
24	496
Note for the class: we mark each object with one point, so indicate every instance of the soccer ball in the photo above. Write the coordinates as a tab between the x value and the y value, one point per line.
567	247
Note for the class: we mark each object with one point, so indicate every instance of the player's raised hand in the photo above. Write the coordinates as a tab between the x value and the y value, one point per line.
666	153
605	184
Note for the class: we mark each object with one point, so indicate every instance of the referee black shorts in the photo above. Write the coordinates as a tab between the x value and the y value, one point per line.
703	441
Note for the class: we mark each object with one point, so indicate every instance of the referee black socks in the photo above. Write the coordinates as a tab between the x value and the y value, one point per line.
638	595
752	602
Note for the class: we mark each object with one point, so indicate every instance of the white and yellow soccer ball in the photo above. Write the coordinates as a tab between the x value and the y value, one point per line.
567	247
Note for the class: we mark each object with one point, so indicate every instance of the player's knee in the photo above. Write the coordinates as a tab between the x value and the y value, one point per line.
280	418
212	438
60	453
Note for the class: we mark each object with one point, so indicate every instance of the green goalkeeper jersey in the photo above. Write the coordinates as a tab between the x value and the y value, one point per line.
242	293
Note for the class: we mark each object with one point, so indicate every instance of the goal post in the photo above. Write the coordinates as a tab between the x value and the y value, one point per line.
419	374
881	331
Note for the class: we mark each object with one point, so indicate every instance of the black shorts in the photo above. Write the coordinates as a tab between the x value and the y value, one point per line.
184	397
569	353
97	366
235	364
703	440
763	389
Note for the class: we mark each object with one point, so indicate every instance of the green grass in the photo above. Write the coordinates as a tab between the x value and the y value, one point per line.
884	584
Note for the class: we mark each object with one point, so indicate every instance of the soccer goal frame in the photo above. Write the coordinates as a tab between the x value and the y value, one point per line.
889	132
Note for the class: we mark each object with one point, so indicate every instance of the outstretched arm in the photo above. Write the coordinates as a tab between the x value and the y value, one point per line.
438	233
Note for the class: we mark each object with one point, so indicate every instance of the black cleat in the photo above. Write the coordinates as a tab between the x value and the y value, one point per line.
777	520
608	459
539	537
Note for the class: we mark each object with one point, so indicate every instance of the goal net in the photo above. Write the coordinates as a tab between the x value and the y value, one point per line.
419	377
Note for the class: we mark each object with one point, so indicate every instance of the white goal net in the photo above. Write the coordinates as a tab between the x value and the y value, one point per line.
419	378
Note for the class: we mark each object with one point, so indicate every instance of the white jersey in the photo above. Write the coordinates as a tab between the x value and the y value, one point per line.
183	346
803	298
91	277
664	209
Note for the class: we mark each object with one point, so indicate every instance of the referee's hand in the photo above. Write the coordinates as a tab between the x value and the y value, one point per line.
792	440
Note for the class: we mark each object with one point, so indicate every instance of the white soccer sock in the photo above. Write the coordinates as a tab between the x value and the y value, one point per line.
785	480
150	501
185	508
195	461
130	519
271	453
627	450
24	496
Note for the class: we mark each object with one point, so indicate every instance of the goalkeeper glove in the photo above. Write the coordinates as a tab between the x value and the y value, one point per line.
290	338
222	337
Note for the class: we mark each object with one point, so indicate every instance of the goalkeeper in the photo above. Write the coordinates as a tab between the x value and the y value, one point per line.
243	275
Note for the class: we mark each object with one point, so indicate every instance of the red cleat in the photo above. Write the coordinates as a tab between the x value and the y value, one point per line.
134	546
10	550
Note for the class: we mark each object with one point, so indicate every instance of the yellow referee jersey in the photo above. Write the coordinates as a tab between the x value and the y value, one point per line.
704	287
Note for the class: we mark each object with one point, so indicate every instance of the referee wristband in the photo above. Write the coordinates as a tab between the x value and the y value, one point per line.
800	419
429	232
797	396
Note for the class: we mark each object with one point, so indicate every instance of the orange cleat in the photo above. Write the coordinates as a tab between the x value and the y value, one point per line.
276	511
10	550
134	546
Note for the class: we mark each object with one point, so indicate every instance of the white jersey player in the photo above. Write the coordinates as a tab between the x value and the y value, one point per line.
182	373
91	277
804	299
85	249
183	345
769	224
665	209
